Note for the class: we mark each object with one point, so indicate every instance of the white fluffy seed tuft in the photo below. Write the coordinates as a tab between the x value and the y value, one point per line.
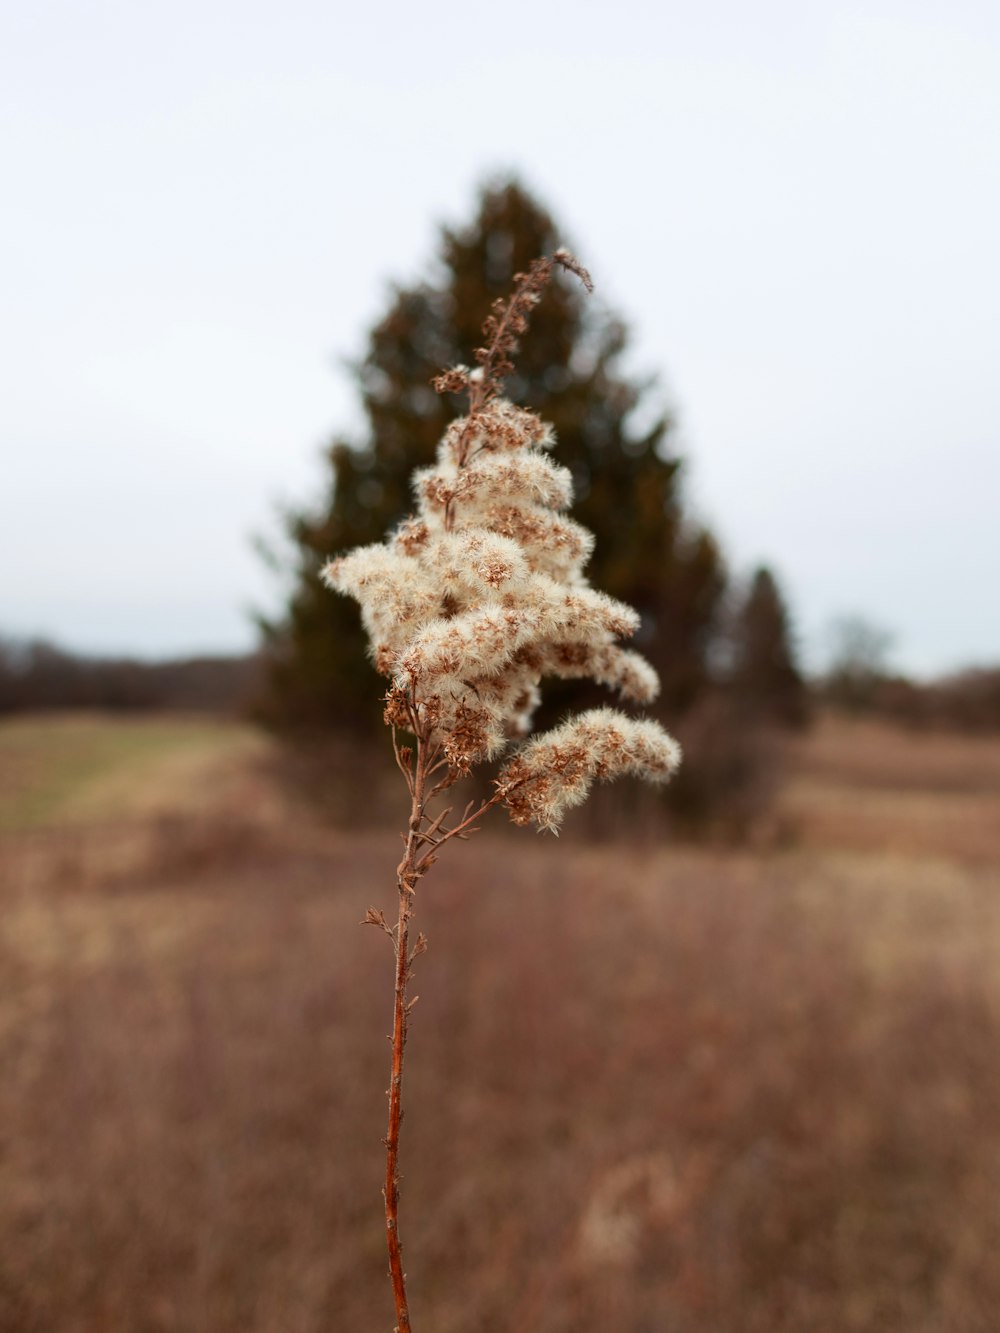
479	595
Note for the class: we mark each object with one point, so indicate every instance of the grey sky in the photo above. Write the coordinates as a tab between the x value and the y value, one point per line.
795	205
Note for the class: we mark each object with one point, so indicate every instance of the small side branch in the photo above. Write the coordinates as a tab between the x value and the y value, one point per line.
467	825
430	834
404	759
376	917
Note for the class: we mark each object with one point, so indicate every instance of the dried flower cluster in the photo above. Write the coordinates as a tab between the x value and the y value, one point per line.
481	594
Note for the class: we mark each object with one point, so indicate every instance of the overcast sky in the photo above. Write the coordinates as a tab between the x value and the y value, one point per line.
795	205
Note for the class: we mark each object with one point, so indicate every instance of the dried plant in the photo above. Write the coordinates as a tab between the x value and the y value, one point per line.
468	605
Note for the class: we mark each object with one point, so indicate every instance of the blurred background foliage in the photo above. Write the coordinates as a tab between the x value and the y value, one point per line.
748	1087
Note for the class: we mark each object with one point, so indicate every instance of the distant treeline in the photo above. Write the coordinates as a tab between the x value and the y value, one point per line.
39	675
966	701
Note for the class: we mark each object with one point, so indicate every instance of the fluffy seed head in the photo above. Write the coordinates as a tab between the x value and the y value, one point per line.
482	593
554	772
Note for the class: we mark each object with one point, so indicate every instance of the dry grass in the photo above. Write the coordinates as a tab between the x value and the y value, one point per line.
723	1092
868	786
76	769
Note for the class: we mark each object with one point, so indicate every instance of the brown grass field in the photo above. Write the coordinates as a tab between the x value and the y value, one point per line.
650	1089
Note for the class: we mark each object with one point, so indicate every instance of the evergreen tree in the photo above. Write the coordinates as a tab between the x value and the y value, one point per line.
568	371
766	679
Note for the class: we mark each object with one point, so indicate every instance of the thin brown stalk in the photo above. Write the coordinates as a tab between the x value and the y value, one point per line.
399	1024
408	872
412	867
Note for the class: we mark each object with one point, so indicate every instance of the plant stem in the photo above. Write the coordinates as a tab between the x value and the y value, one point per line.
407	874
395	1116
418	856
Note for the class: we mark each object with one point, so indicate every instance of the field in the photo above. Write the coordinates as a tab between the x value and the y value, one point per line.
651	1089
